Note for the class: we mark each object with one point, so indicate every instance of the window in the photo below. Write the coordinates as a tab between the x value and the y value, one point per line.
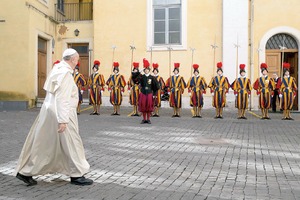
281	39
167	22
60	5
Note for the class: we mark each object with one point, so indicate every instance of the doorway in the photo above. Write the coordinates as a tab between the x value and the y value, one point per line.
83	51
283	48
42	66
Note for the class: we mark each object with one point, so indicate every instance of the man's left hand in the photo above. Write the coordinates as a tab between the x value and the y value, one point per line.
62	127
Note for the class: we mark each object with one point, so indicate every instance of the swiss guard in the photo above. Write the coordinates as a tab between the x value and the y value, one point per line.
219	87
80	82
176	86
157	95
287	92
264	87
242	90
196	88
149	86
116	84
96	85
133	88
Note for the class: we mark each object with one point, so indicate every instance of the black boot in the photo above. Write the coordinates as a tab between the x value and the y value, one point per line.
26	179
81	181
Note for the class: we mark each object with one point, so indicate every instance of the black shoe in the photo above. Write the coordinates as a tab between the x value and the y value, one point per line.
284	118
173	115
155	115
290	118
117	114
262	118
92	113
239	118
244	117
95	113
194	116
177	115
143	122
148	121
81	181
216	117
267	118
78	113
26	179
199	116
220	117
136	115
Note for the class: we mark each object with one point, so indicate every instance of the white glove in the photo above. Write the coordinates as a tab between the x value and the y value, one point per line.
81	91
236	95
280	95
212	94
190	94
101	92
168	93
129	91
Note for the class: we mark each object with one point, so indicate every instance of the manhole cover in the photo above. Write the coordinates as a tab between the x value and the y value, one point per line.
211	141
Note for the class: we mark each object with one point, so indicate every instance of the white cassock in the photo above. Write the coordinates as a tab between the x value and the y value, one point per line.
45	150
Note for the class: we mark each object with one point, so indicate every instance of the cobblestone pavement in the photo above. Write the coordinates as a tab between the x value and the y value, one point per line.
173	158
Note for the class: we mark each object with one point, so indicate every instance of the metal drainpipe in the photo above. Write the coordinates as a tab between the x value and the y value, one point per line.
251	21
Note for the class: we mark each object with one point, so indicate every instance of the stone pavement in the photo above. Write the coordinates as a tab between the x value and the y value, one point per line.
170	159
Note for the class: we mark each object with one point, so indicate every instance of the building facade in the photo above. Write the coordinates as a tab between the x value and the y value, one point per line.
34	34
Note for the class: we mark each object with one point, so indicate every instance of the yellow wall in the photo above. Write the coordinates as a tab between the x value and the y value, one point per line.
14	46
122	24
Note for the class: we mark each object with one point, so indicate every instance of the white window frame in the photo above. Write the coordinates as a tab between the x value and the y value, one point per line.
150	29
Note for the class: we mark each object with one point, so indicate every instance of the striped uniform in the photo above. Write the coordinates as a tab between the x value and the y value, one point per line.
116	84
80	82
133	86
197	85
264	87
242	88
176	86
157	95
219	85
288	90
96	84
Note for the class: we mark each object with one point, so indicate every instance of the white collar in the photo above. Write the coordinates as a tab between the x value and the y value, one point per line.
176	74
147	74
197	75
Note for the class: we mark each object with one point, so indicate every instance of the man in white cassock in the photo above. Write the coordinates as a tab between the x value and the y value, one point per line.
53	144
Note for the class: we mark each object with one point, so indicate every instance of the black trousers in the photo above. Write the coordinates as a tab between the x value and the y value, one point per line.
274	100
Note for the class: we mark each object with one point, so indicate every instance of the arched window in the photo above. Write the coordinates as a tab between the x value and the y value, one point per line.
281	39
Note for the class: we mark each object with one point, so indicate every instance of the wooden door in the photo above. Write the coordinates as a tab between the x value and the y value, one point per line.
273	60
42	66
84	69
83	51
292	58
